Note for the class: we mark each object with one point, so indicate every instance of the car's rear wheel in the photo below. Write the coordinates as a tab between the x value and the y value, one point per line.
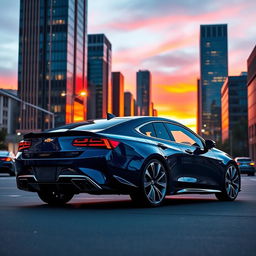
55	198
154	182
232	184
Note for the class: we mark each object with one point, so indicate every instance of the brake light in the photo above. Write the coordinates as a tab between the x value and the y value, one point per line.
24	145
7	159
238	163
252	163
95	142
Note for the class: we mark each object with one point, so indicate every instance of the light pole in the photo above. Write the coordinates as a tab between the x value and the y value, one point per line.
81	94
30	105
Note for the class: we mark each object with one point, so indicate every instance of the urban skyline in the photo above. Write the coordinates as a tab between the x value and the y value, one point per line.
174	47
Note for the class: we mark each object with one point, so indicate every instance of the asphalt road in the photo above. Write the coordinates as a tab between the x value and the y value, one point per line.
111	225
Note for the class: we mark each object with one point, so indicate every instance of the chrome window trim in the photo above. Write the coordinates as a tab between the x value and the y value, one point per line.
137	129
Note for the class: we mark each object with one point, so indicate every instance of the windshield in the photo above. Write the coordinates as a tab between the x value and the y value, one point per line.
244	159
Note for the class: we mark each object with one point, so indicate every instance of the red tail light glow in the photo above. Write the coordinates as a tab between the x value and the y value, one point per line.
95	142
24	145
7	159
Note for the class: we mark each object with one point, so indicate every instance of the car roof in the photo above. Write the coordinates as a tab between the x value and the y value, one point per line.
103	124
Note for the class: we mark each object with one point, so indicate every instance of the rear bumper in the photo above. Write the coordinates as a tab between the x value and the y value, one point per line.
6	167
73	183
247	170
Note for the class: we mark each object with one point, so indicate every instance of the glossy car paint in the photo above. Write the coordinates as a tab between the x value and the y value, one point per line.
58	164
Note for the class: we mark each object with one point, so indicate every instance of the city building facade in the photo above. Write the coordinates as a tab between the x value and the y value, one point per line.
213	72
118	93
234	114
129	103
251	83
52	69
99	76
9	111
143	82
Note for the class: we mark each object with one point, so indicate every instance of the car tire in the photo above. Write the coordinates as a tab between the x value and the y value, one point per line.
153	187
55	198
232	184
12	174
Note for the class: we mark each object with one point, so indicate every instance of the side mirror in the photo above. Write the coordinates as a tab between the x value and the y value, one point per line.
209	144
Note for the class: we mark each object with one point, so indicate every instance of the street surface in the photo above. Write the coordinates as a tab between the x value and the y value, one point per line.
112	225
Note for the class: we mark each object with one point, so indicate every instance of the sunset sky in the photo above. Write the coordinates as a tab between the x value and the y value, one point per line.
159	35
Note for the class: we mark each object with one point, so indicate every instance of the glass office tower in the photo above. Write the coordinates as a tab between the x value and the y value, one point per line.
99	76
118	94
143	92
52	68
234	114
213	72
251	83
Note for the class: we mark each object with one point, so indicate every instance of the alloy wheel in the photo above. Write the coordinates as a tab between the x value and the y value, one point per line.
155	182
232	182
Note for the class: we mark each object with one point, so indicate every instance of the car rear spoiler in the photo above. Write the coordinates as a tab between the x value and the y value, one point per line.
60	134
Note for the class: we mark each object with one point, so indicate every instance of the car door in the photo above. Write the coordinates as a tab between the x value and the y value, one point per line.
195	168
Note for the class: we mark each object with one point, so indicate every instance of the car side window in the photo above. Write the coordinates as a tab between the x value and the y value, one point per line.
148	130
183	136
161	131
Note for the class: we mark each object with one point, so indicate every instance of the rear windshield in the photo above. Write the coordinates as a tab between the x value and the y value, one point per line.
244	159
4	153
100	124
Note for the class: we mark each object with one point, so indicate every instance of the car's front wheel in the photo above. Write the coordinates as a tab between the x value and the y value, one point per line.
154	182
232	184
55	198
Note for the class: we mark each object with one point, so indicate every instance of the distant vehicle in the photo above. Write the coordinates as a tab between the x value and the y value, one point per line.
246	165
7	164
145	157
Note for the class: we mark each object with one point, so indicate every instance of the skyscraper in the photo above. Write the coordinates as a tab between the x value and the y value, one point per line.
143	92
234	117
213	71
52	69
251	65
99	76
118	93
128	104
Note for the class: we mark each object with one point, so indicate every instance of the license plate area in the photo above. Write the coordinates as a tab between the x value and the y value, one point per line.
45	173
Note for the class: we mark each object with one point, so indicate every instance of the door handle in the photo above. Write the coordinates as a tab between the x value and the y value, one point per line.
189	151
162	146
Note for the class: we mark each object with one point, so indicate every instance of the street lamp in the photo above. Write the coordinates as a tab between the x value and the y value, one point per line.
73	96
81	94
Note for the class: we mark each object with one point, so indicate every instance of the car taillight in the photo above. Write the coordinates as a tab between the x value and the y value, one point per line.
24	144
95	142
238	163
252	163
7	159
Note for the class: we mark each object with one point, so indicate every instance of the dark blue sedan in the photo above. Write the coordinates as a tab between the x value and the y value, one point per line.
7	163
145	157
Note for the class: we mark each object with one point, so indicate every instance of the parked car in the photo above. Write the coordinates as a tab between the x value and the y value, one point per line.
145	157
7	164
246	165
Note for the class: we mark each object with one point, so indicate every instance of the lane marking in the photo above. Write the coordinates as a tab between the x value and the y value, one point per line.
253	179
